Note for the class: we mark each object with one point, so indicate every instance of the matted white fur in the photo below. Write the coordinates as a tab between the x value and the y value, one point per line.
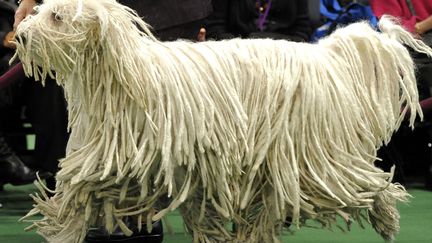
242	131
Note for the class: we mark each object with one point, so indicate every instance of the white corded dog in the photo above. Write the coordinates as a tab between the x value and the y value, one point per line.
240	131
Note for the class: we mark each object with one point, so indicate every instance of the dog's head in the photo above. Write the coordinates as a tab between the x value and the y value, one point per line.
65	34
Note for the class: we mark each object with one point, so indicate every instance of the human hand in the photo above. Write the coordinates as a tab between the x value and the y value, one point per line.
423	26
8	40
418	28
25	8
202	35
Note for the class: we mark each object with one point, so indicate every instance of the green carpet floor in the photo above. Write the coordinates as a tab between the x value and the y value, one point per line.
416	223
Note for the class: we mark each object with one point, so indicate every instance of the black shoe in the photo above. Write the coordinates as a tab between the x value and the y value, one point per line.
13	170
99	235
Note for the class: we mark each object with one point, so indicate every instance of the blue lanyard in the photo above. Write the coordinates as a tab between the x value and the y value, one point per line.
263	14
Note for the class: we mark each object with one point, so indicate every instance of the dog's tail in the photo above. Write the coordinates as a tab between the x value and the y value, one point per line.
391	27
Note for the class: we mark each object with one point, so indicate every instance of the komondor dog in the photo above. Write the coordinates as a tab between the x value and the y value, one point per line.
248	132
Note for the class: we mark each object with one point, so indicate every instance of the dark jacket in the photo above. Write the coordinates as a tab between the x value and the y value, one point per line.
172	19
287	19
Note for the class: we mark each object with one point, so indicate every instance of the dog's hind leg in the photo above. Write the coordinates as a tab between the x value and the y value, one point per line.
259	221
206	225
384	215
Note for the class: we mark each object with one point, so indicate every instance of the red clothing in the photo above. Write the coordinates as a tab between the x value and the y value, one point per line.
399	8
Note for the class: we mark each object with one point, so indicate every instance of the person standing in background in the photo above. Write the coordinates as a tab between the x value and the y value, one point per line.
275	19
415	15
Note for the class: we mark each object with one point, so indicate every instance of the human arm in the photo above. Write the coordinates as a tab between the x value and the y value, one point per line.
6	21
7	38
25	8
423	26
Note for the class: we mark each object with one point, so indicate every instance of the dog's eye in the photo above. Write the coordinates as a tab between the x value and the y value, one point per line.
57	17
